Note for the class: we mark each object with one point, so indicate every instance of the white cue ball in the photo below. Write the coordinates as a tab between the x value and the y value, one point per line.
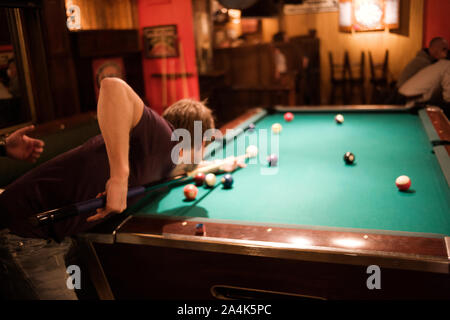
210	179
276	128
339	118
252	151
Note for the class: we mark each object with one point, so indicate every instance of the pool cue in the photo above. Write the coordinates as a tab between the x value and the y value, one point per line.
164	78
55	215
183	72
63	213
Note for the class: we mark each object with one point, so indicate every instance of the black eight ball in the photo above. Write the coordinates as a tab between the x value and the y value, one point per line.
349	158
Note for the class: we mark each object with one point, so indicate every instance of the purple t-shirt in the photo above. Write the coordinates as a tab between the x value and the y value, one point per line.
80	174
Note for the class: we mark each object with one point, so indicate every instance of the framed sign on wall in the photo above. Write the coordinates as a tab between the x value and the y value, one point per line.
161	41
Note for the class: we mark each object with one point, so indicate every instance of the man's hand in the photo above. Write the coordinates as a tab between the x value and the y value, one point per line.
224	165
21	147
232	163
116	198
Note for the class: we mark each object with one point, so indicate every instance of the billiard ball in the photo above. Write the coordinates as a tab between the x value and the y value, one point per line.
276	128
190	191
210	179
288	116
251	127
227	181
403	183
349	158
199	178
251	151
339	118
272	160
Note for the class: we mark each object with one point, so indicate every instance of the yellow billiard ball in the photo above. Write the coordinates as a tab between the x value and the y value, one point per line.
252	151
339	118
210	180
276	128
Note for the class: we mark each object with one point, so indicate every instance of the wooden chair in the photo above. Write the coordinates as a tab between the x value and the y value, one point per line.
338	80
379	73
356	77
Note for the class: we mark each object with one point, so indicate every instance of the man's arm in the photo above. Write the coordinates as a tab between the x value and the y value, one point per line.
426	81
226	165
119	110
21	147
413	67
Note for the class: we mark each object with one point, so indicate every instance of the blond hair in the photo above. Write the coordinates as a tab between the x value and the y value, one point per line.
184	112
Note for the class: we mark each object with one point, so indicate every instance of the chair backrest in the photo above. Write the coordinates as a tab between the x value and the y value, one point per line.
372	67
335	69
386	64
358	68
362	68
330	58
383	67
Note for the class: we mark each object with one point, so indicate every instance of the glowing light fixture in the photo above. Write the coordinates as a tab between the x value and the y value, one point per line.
392	14
368	15
235	15
345	15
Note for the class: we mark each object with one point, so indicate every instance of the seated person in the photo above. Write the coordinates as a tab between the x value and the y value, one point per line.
134	148
430	85
437	49
278	56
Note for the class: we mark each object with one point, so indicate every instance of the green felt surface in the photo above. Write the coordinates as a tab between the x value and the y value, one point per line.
312	185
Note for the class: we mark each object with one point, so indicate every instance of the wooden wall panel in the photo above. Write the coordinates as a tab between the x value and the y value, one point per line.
401	48
95	44
61	69
248	66
107	14
249	72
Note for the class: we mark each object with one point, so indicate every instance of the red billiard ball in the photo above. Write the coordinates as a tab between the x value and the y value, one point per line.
288	116
199	179
403	183
190	191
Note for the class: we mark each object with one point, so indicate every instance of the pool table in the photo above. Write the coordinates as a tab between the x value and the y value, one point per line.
308	228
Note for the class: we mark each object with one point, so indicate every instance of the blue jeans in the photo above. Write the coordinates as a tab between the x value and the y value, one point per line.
33	268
